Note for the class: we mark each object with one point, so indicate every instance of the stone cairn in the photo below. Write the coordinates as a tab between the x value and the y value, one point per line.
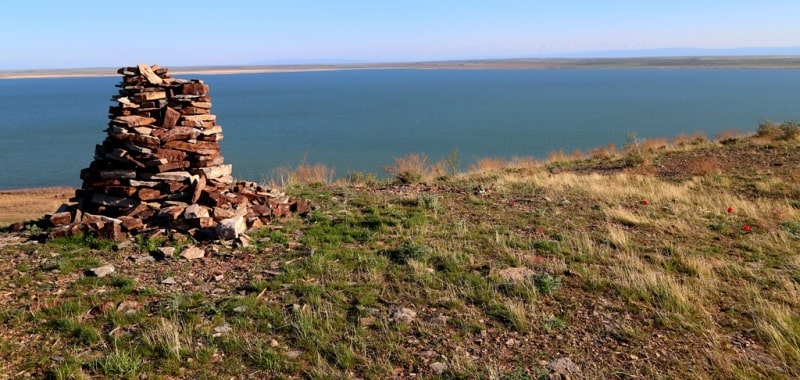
160	169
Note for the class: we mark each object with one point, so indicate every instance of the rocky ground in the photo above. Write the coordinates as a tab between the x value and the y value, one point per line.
523	272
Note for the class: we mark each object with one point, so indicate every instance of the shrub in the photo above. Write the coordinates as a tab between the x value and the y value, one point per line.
360	178
787	131
684	139
414	168
767	128
790	130
408	251
452	163
545	283
428	201
635	153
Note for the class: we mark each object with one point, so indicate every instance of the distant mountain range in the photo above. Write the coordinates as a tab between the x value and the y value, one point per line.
681	52
750	57
311	61
631	53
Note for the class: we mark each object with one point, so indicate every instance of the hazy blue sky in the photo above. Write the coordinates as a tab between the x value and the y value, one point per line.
53	34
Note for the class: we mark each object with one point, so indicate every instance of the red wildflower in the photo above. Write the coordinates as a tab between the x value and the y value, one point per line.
645	202
746	228
730	210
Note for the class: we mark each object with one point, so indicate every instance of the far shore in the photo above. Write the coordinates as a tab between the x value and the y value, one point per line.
710	62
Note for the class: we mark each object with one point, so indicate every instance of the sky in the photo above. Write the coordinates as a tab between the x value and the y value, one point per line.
39	34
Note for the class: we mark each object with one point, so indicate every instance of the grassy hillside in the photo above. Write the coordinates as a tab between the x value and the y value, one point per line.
657	260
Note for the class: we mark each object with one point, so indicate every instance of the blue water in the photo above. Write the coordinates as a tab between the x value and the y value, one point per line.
360	120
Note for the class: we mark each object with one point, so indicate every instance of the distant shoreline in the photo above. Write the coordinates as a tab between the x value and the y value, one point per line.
693	62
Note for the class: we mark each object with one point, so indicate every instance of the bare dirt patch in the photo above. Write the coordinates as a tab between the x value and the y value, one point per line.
27	204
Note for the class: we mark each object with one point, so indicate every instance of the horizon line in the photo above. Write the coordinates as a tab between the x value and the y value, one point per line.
654	61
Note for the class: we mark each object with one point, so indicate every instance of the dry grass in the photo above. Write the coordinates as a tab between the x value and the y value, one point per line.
684	139
166	338
557	156
578	154
604	152
626	217
654	143
29	204
413	168
729	134
483	165
302	174
703	166
668	288
617	236
781	325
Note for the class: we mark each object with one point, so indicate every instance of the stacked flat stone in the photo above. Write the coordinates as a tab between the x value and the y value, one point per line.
162	138
160	165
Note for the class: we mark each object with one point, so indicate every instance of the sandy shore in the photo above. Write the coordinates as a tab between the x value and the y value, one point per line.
66	73
27	204
745	62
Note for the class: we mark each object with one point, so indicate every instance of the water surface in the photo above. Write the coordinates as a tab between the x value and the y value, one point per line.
360	120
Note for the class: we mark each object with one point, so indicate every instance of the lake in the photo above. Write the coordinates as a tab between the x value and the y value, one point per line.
359	120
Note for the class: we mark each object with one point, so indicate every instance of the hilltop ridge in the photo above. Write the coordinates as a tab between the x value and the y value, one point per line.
658	259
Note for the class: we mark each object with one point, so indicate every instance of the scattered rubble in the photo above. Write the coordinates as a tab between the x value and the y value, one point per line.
160	168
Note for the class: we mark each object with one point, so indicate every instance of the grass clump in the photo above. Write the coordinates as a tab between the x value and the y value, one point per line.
302	174
120	364
511	314
409	169
546	284
792	228
408	251
786	131
262	356
636	153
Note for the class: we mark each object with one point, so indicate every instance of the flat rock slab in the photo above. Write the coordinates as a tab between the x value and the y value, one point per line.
61	218
166	252
563	368
231	228
102	271
149	74
195	211
192	252
402	314
438	367
178	176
